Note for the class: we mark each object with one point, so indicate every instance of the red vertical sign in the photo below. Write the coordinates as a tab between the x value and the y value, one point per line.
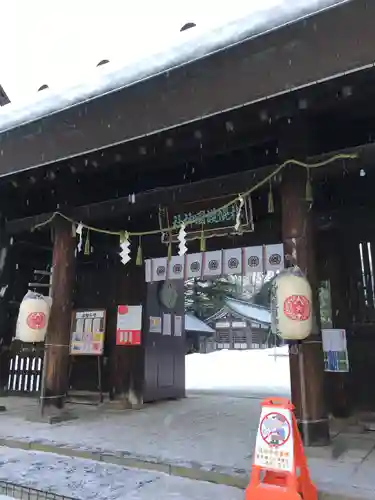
129	325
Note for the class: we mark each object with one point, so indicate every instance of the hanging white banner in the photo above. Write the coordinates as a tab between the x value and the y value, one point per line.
243	261
176	267
193	265
232	261
159	269
274	257
253	260
213	263
148	270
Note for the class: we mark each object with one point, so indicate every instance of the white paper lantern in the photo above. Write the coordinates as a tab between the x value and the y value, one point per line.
33	318
291	305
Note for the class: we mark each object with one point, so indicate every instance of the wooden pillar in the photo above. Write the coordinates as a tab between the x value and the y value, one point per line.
58	334
338	388
306	367
7	267
127	362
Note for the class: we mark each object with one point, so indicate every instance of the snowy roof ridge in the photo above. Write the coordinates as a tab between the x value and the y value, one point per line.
194	324
244	309
249	310
246	303
190	45
217	315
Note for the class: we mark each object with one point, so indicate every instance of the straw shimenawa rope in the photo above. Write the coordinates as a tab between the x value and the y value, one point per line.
191	221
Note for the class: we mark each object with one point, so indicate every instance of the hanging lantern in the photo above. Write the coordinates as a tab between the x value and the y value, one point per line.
291	305
33	318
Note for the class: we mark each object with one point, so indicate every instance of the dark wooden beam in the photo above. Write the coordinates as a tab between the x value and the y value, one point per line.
282	60
166	196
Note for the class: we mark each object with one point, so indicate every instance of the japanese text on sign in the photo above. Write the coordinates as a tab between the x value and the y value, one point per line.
206	217
88	332
274	443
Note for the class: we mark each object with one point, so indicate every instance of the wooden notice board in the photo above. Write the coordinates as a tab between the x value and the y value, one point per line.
88	332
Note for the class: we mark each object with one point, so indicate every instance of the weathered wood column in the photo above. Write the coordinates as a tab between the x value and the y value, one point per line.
58	334
338	393
6	284
127	363
306	366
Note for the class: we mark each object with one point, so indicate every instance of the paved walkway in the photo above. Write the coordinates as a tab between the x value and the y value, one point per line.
89	480
202	437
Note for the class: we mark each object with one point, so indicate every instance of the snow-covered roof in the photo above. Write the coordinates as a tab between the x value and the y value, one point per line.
156	58
245	310
193	324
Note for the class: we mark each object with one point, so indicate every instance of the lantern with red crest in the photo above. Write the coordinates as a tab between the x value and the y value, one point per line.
291	305
33	318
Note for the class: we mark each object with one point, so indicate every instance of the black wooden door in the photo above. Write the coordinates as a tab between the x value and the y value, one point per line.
165	349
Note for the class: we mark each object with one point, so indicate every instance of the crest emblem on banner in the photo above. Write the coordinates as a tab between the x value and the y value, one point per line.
213	263
253	259
176	267
159	269
232	261
274	257
193	265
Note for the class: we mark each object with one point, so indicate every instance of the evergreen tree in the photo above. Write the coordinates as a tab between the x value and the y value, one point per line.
203	298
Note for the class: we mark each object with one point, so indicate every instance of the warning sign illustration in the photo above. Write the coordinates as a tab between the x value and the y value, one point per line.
275	429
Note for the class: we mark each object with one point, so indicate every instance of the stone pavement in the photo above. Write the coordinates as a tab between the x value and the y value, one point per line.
41	476
208	438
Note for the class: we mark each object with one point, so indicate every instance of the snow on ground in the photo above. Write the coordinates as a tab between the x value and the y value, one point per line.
256	372
85	479
210	430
